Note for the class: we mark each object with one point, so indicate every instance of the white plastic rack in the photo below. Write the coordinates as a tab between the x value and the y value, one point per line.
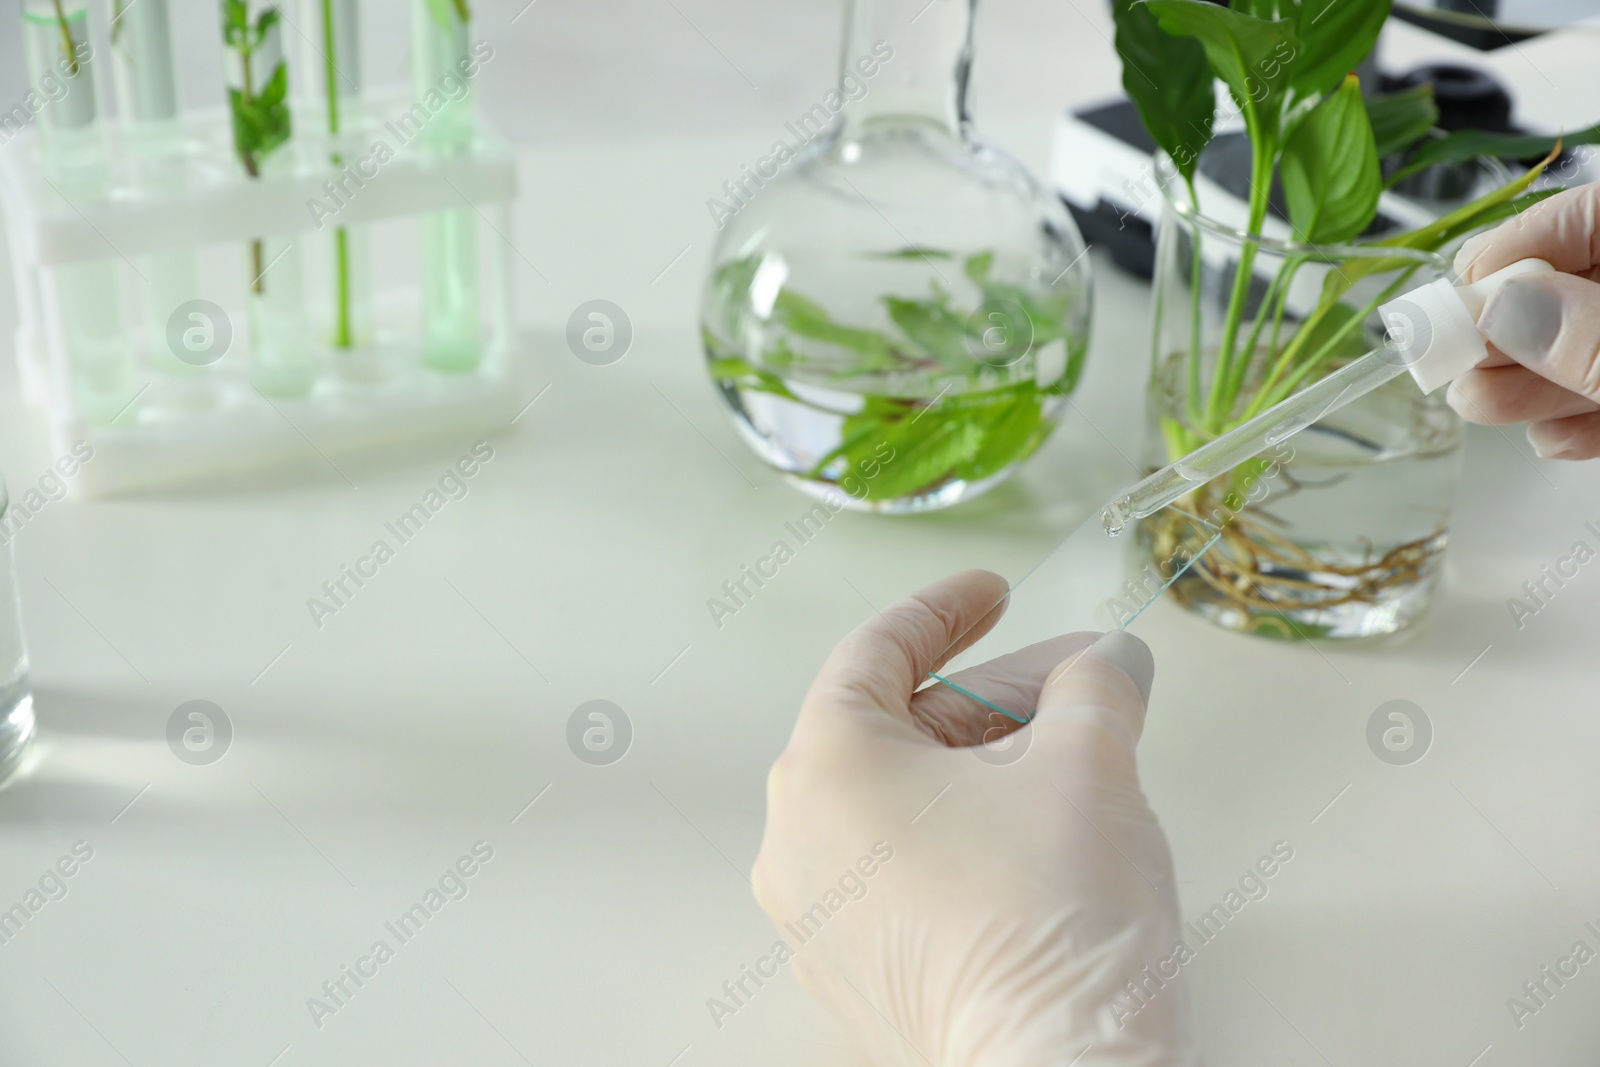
220	426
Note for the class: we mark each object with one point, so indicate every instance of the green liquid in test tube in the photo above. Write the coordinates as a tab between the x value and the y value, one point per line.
450	319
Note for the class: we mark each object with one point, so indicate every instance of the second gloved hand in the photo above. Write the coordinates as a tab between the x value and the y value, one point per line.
1016	901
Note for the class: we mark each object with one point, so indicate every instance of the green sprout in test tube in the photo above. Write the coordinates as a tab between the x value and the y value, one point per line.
258	102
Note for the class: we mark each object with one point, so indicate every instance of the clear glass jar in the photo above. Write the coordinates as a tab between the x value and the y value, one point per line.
896	311
1341	532
16	692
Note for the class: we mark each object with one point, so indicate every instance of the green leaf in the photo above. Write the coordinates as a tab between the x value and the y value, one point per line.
1169	82
1501	212
1047	312
1277	625
1046	316
271	112
448	12
261	119
1011	432
1468	217
1435	235
966	436
807	318
1249	54
977	267
276	90
861	435
1077	352
1331	179
730	369
934	328
268	19
1399	119
1464	145
443	12
911	252
925	456
1335	36
236	24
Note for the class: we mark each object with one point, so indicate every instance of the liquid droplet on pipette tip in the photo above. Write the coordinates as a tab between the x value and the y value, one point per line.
1114	516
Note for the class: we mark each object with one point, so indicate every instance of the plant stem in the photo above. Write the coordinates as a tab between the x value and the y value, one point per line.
1222	402
1274	291
341	236
67	44
1195	271
341	253
258	267
247	93
1277	318
1230	330
330	73
1269	396
1279	289
1286	357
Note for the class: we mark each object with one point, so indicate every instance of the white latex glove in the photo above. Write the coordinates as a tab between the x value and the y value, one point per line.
973	913
1544	329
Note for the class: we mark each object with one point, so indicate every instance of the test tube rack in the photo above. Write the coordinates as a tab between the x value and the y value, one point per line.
214	210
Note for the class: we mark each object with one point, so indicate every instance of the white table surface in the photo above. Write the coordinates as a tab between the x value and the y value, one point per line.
372	753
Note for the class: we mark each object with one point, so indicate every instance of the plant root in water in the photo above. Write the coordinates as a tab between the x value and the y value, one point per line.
1267	577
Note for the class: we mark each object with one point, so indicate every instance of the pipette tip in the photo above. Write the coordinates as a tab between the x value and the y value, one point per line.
1115	515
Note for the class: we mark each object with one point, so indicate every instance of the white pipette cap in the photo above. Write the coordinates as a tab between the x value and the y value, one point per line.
1434	327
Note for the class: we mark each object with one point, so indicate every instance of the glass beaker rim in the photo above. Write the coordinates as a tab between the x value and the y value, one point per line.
1171	186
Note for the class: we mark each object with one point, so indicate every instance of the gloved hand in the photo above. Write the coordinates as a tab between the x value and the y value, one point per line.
1544	329
957	913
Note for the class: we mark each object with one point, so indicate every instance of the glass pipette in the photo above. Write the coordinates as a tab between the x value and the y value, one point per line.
1249	439
1432	334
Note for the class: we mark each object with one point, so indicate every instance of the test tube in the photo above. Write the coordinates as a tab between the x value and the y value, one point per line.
258	96
145	76
61	67
146	81
440	50
340	59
